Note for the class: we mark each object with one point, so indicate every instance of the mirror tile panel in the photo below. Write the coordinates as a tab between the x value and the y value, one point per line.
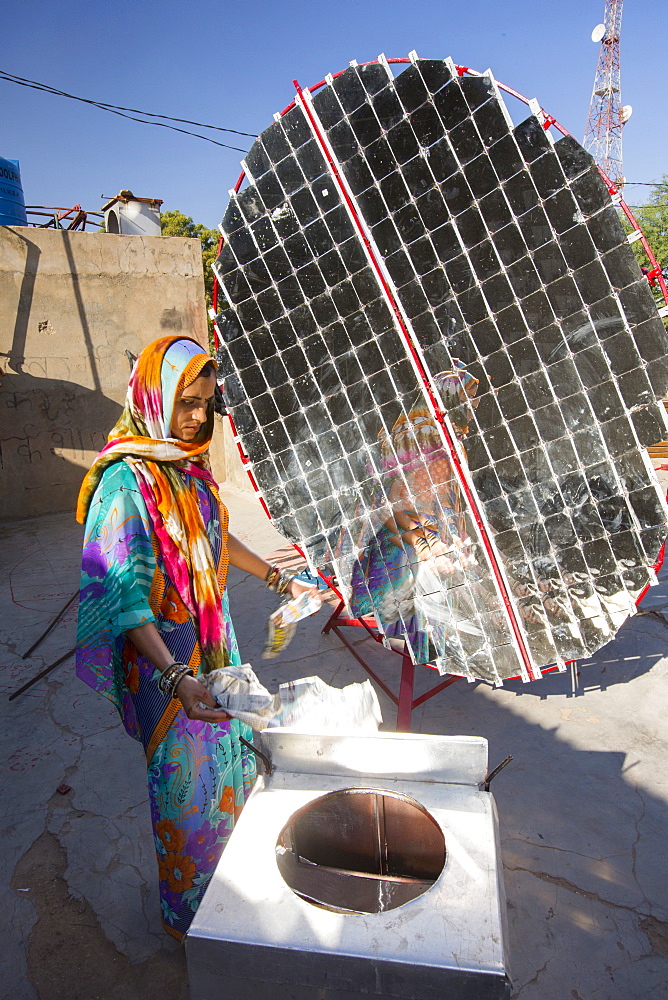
445	366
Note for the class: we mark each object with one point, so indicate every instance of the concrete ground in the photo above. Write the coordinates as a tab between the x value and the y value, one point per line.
582	807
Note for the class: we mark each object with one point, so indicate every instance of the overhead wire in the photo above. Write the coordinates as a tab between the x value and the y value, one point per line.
122	112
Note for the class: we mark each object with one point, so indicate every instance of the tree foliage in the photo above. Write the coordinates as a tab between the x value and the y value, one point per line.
175	223
653	220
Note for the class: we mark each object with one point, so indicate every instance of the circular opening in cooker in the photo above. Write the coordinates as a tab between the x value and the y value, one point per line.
361	850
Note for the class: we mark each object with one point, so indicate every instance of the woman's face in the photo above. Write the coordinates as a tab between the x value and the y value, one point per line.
191	408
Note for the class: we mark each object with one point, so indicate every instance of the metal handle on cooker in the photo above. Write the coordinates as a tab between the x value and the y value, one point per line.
268	766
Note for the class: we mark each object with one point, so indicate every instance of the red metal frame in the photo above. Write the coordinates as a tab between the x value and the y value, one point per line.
56	215
404	700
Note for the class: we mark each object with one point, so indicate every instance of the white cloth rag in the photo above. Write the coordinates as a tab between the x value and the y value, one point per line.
306	705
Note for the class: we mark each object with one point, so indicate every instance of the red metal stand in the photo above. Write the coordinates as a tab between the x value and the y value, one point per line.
404	701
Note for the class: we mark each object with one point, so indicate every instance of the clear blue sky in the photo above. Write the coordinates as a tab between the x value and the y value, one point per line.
232	64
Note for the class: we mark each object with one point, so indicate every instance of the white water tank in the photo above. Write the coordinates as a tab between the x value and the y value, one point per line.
127	215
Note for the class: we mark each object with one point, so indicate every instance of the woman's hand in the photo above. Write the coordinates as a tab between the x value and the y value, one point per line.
249	562
190	693
297	589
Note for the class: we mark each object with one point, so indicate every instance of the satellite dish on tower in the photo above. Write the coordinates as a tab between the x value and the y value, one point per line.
626	113
598	33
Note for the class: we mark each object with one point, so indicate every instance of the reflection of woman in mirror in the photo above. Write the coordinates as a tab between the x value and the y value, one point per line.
420	548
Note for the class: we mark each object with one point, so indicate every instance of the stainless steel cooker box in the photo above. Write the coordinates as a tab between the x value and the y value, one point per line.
361	866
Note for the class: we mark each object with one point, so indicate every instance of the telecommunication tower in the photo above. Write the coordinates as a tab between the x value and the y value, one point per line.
607	116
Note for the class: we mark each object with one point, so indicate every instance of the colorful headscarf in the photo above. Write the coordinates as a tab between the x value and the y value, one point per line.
142	437
415	437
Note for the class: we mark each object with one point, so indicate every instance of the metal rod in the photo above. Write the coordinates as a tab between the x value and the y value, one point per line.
52	625
434	690
492	774
268	766
43	673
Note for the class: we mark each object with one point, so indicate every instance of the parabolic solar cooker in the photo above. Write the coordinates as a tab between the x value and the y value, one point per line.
361	866
445	366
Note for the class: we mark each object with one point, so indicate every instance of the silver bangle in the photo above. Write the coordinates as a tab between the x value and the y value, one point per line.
178	677
284	583
170	677
281	583
166	675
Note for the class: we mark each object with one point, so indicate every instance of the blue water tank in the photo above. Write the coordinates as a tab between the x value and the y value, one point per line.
12	205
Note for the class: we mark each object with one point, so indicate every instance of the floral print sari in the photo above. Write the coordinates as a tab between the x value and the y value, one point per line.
199	773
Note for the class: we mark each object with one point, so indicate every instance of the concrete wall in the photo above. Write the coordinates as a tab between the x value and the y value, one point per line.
71	304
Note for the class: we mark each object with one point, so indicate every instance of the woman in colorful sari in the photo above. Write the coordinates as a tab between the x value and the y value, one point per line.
153	612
